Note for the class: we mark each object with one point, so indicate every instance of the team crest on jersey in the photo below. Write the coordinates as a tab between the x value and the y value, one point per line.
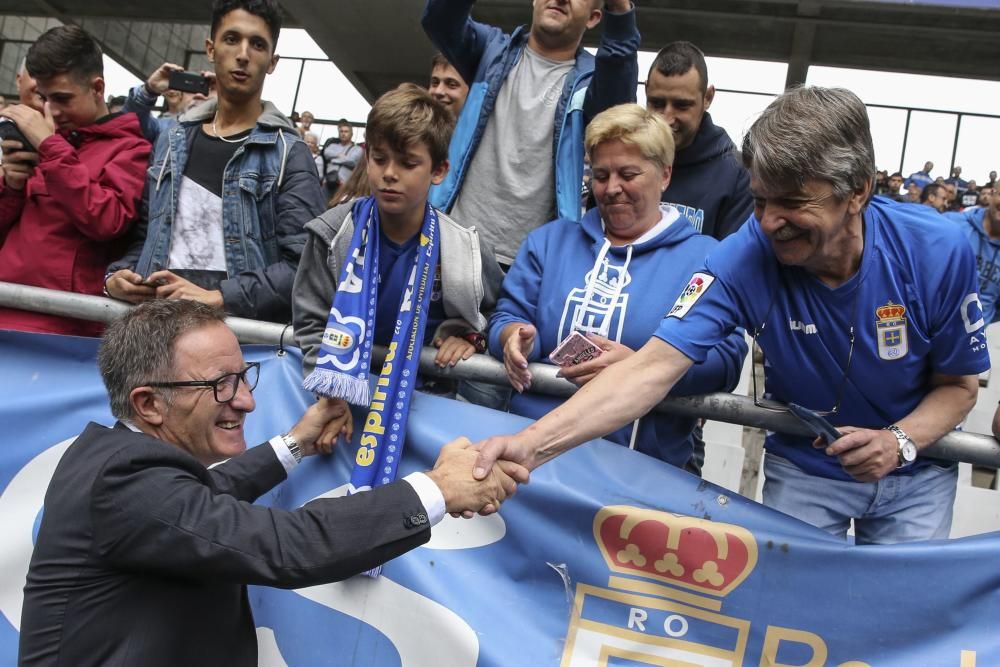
606	306
697	286
890	329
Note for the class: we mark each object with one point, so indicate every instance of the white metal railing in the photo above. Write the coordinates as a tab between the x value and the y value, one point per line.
956	446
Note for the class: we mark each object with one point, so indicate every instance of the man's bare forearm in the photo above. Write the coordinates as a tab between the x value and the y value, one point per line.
620	394
942	409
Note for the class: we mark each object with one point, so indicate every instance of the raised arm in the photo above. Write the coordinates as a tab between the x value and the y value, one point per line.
454	33
616	69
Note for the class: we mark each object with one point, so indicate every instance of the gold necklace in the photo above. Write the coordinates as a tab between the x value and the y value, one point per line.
215	131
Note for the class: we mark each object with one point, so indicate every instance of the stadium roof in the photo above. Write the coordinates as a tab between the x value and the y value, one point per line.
379	43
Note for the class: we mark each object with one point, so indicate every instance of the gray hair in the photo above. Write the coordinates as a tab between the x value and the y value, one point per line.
139	348
811	133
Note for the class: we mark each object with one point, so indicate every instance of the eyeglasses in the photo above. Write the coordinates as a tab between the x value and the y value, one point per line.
223	387
775	406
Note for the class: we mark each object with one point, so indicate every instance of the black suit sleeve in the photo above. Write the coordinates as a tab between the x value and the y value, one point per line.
249	475
158	516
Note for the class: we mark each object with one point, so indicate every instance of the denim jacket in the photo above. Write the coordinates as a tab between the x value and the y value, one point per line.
270	190
484	55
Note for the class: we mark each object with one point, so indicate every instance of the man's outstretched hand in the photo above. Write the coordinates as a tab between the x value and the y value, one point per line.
505	450
465	495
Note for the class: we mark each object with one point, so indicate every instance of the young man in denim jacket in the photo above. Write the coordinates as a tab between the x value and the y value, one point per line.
232	242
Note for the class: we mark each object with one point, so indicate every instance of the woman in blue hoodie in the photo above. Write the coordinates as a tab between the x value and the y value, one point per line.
611	277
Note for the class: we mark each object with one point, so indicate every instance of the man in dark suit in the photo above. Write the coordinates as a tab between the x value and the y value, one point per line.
144	553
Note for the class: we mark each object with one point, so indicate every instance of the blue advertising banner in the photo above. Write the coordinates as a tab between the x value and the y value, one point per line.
607	558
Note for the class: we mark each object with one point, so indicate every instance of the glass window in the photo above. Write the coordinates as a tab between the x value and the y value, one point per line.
931	137
330	96
888	127
978	147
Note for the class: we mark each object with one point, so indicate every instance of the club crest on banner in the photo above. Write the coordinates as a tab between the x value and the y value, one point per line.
890	329
665	611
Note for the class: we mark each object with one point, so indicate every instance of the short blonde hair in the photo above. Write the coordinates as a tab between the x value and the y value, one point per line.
633	125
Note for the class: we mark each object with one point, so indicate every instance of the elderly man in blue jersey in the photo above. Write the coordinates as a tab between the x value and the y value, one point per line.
865	309
981	226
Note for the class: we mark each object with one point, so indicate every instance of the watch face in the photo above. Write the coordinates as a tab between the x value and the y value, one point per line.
908	452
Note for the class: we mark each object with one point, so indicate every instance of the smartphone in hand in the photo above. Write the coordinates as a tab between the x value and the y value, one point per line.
574	349
188	82
820	427
10	130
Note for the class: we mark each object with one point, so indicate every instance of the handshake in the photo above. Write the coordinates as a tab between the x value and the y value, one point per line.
463	493
472	478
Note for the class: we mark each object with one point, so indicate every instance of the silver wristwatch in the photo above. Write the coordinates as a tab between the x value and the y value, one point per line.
907	448
293	446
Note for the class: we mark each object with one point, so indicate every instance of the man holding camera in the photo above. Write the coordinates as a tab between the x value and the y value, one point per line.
229	189
72	179
182	91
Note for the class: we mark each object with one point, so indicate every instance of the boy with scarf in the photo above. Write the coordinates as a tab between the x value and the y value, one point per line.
399	271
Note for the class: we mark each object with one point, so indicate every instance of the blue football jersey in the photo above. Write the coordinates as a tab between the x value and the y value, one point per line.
913	307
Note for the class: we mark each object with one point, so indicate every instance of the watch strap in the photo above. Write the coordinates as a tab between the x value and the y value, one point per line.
902	440
293	446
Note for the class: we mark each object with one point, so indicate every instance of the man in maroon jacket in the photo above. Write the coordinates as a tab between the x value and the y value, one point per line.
67	198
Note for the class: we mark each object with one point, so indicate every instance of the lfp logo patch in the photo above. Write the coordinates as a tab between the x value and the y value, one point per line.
697	286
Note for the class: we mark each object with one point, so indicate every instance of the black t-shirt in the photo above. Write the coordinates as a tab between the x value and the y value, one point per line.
197	247
209	157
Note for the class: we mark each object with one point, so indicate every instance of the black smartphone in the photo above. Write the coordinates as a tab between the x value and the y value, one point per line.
10	130
188	82
817	424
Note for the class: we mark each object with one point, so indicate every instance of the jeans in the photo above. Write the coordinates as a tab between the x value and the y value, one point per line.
897	508
484	394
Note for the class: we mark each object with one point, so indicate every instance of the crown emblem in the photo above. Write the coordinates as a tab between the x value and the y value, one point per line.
697	554
890	311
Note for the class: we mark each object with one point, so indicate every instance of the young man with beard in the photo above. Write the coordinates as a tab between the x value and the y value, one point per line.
709	186
229	189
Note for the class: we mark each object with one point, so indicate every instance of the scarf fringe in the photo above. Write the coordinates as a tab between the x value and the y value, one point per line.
352	389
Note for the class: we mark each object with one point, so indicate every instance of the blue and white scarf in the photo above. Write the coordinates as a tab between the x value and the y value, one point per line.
345	354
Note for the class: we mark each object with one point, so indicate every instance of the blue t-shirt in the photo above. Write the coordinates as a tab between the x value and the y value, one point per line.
395	262
913	304
987	253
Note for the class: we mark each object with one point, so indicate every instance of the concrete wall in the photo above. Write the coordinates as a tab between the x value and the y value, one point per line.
139	46
16	35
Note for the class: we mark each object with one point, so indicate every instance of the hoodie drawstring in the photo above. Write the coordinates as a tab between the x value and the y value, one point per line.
605	327
284	158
